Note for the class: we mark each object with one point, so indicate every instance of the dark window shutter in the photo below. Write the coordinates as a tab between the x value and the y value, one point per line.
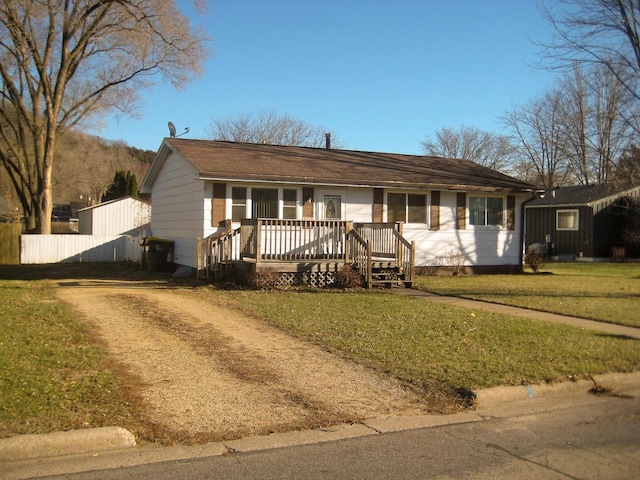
435	210
219	204
307	206
378	203
511	212
461	210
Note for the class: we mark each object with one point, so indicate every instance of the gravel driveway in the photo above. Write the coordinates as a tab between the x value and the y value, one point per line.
205	372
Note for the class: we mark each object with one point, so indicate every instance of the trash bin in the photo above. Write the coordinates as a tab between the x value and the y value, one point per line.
156	252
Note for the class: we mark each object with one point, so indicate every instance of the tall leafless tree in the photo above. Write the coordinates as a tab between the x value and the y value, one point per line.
64	62
602	32
597	133
486	148
537	132
267	126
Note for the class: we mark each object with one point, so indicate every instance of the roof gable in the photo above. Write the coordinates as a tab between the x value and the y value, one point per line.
115	200
218	160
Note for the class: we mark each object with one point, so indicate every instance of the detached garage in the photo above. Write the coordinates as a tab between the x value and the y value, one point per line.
587	221
122	216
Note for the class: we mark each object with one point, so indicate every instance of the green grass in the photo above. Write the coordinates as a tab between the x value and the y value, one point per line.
429	342
51	374
599	291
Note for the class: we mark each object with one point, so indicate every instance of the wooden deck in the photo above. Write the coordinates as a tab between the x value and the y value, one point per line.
377	250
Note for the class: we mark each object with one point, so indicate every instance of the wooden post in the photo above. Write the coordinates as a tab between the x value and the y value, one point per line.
258	244
369	267
347	245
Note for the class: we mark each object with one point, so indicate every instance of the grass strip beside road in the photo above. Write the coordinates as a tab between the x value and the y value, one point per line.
597	291
51	373
433	343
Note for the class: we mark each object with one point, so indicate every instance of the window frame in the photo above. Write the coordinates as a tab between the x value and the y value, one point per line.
408	216
573	211
249	201
486	211
332	197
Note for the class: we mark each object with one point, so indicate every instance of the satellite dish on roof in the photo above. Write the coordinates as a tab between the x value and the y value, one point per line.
172	130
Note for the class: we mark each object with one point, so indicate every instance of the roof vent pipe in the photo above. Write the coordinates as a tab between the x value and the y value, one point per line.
328	140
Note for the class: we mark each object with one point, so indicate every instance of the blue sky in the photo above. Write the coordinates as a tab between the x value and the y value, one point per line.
383	75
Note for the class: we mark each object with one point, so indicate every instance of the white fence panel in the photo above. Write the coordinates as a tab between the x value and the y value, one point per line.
37	249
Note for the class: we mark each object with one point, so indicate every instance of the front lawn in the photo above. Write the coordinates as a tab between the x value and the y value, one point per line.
608	292
52	375
433	343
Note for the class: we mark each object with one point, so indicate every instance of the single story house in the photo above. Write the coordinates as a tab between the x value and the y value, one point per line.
584	221
300	205
121	216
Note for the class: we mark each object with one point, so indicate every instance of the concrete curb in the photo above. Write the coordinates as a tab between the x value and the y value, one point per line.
105	439
90	440
499	395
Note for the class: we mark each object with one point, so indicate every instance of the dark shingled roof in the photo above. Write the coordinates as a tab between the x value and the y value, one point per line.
220	160
576	195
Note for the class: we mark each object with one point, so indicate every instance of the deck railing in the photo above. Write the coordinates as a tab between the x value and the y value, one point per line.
264	240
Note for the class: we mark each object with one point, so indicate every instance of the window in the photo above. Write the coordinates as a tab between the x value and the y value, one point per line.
332	207
264	203
396	207
417	208
485	211
238	203
247	202
402	207
289	204
567	219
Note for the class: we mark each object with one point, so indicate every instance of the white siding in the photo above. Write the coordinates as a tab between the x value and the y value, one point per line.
37	249
182	213
122	216
359	205
479	246
178	199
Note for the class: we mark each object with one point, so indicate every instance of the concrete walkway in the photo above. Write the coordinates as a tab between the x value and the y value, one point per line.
523	312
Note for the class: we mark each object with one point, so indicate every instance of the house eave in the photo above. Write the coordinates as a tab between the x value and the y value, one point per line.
388	185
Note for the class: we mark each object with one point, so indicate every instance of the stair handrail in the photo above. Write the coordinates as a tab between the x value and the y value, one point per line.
362	256
406	256
206	254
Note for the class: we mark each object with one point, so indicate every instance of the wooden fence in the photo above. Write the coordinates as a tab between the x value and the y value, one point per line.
79	248
10	243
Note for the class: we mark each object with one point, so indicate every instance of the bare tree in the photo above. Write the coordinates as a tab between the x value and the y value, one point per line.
486	148
538	134
269	127
65	62
596	131
604	32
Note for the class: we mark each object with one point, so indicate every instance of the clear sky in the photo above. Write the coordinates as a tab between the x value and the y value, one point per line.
383	75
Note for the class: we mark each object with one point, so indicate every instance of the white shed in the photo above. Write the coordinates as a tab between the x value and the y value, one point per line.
120	216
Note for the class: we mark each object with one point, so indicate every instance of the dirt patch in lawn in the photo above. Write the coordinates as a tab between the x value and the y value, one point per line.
204	372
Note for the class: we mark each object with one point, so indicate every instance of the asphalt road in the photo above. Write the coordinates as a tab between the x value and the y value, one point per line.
575	436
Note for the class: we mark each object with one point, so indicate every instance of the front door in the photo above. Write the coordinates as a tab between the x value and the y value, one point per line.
332	207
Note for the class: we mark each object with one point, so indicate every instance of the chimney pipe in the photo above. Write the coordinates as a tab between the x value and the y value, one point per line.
328	140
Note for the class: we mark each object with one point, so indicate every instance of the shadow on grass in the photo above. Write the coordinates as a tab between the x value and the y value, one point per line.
62	271
616	336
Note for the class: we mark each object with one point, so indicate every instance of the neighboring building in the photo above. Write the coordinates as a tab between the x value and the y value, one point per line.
122	216
446	206
583	221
